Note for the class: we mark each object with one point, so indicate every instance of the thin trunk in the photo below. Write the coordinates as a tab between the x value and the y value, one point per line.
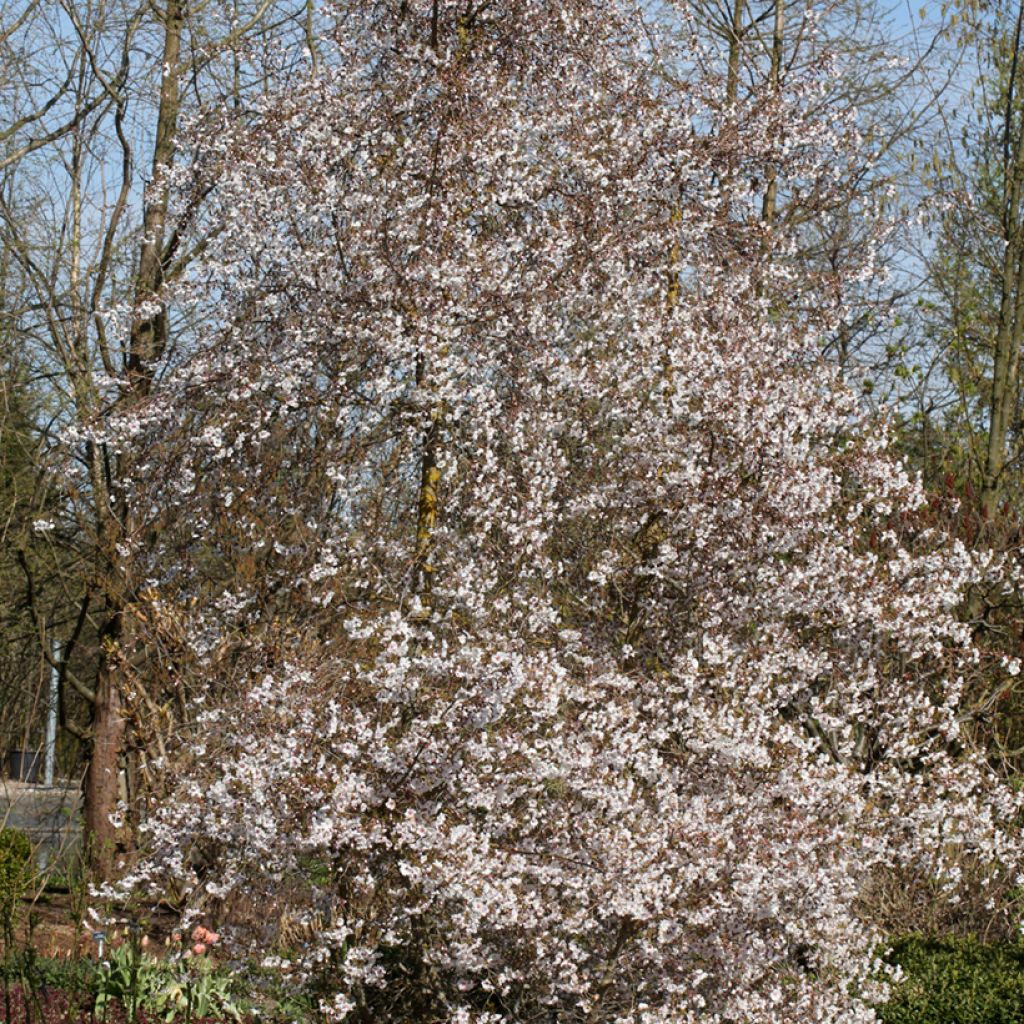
149	331
732	80
732	84
775	86
1010	330
427	507
311	44
430	473
1006	364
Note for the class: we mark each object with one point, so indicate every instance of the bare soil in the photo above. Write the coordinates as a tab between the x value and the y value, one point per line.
52	926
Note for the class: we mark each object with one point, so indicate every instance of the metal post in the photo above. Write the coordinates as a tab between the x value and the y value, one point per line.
51	718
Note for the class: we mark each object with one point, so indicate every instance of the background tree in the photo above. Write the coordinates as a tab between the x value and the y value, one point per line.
961	411
976	312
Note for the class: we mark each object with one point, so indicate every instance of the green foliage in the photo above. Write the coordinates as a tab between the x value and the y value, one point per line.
176	990
956	981
68	975
15	872
124	976
276	997
192	988
316	870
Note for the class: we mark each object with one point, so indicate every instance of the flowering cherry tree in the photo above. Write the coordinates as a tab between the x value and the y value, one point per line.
572	649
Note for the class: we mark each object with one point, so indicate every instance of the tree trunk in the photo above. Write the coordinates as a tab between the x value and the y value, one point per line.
775	85
104	839
732	80
1005	367
426	504
115	521
1006	357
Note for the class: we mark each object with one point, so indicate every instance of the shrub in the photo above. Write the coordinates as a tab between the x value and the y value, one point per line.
956	981
15	872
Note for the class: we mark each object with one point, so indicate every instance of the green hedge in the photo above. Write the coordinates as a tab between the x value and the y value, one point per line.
956	981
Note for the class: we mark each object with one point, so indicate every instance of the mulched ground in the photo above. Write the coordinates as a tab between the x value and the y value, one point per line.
47	924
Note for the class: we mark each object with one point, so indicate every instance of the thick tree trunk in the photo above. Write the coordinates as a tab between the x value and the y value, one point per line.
102	781
115	521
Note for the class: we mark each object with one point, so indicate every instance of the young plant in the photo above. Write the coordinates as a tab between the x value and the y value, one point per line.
187	986
191	984
125	976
